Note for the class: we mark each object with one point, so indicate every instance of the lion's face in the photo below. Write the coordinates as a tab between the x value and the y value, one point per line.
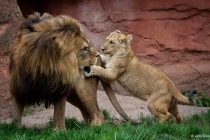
116	43
52	46
86	54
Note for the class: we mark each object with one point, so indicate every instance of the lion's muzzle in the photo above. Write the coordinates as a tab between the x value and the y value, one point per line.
87	69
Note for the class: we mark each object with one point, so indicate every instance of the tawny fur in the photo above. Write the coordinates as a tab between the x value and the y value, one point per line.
46	67
46	60
85	98
140	79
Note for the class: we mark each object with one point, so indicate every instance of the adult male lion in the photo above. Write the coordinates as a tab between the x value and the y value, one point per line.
142	80
46	66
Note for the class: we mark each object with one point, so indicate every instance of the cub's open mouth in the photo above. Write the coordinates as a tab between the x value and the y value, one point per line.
87	69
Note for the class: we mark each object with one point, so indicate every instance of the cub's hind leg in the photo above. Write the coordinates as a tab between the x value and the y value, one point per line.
159	108
174	111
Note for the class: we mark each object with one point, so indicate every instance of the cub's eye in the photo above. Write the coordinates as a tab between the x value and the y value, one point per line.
111	42
85	49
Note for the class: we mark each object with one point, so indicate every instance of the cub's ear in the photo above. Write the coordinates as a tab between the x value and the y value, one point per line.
125	39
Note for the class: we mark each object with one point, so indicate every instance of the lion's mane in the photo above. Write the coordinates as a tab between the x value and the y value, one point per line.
40	69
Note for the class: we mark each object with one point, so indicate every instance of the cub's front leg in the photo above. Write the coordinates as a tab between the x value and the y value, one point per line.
109	75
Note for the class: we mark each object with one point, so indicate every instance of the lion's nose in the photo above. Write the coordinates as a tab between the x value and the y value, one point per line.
102	49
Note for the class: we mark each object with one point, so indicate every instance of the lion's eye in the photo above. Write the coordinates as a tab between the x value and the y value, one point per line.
85	49
111	42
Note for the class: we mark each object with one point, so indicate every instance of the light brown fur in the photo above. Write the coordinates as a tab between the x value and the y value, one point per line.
141	80
63	62
85	98
45	64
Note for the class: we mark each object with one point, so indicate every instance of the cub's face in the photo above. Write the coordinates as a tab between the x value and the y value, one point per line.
116	43
86	54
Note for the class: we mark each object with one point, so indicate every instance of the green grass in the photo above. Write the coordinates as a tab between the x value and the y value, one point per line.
191	127
202	100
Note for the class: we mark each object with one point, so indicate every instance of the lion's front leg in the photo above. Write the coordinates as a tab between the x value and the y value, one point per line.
74	100
86	90
59	114
17	113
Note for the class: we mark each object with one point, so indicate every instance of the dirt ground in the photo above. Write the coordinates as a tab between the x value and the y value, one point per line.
131	105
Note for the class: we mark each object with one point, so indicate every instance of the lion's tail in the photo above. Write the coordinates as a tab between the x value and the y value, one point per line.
110	94
183	99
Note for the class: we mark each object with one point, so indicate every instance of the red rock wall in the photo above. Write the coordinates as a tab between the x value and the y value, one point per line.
172	35
10	17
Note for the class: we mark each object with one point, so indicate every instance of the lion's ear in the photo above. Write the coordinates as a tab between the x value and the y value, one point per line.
126	39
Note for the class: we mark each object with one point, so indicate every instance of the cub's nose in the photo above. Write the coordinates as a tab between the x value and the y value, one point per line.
102	49
97	54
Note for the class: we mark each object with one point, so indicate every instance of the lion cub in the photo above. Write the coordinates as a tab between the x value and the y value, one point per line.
141	80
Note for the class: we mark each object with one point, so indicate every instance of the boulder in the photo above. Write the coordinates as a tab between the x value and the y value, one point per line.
10	18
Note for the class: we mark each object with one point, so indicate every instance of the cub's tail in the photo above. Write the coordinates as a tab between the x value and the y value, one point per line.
189	100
